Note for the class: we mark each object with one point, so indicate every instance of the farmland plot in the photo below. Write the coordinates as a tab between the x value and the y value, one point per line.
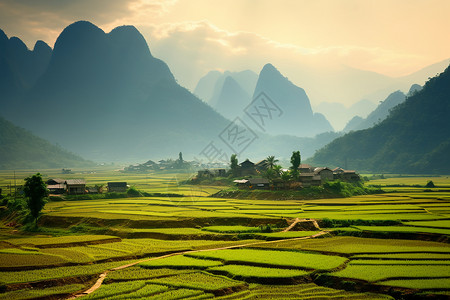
143	227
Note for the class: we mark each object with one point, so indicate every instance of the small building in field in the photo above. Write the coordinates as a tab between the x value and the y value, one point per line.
118	187
56	185
350	176
247	167
52	181
253	183
258	183
346	175
241	183
75	186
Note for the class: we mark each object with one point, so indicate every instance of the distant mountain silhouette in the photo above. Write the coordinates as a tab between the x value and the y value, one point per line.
232	99
413	89
340	83
415	138
295	114
206	85
19	68
105	97
339	115
378	115
210	86
22	150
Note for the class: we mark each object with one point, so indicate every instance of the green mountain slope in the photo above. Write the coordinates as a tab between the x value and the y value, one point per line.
415	138
20	149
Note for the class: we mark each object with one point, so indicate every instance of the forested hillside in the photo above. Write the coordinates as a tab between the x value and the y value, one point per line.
415	138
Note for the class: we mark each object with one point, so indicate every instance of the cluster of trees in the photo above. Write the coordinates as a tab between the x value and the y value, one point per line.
30	206
273	170
276	171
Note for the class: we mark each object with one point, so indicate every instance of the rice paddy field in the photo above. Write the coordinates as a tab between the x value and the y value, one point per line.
184	243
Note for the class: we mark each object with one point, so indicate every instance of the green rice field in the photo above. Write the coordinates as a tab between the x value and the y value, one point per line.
182	242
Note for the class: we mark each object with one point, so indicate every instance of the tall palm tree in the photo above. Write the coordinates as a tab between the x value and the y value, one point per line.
271	161
277	169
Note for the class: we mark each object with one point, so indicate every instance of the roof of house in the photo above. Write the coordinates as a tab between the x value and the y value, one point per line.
240	181
57	180
75	181
262	163
247	162
338	169
258	181
320	169
117	184
305	166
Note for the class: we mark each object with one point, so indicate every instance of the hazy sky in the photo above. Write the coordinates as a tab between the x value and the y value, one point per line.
391	37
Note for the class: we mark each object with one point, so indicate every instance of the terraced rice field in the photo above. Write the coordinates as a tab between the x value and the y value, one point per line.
274	258
354	245
375	273
377	239
180	262
261	273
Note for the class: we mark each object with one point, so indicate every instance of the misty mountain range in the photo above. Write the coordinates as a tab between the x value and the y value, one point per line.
232	93
21	149
414	138
105	97
382	110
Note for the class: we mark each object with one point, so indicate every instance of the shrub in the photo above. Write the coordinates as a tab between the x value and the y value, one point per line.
133	192
430	184
266	228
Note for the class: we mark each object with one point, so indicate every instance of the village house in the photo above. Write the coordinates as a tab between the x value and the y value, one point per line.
247	167
305	168
325	174
118	187
75	186
56	185
253	183
310	179
346	175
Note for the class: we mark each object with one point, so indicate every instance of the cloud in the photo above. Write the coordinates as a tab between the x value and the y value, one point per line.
193	48
45	19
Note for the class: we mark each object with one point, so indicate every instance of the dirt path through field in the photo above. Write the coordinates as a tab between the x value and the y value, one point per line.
102	276
297	220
